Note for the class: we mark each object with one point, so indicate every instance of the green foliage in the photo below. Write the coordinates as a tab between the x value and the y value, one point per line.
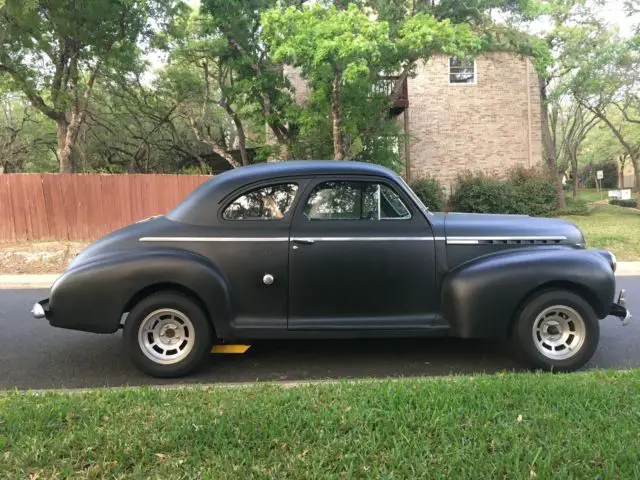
526	192
609	173
320	40
480	193
631	203
430	191
27	139
534	191
575	206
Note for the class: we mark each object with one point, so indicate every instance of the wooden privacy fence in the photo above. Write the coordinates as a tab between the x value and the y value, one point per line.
84	206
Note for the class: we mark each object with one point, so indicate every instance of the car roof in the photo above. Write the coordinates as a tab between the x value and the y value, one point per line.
196	207
264	171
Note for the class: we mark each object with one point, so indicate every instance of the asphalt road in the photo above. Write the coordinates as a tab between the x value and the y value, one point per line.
35	355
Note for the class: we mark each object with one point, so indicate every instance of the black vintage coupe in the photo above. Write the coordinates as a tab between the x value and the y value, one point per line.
325	249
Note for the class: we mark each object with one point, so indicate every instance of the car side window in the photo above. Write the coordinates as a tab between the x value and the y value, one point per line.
345	200
264	203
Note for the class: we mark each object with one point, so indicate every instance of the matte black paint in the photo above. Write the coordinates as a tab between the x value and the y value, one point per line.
419	284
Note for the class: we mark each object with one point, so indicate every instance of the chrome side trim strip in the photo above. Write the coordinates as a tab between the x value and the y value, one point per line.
450	240
286	239
361	239
213	239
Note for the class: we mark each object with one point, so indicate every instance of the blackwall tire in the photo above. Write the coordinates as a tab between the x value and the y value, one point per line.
167	335
557	330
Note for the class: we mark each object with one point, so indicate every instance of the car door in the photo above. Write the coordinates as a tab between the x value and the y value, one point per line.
361	257
252	250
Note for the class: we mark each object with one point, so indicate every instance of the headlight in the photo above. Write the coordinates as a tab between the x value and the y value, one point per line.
614	261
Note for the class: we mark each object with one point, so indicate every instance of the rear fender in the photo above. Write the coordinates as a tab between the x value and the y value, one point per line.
93	296
481	297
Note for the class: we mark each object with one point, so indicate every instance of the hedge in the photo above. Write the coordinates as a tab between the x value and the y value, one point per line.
631	203
430	191
524	191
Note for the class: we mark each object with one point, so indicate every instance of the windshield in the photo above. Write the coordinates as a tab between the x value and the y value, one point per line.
414	197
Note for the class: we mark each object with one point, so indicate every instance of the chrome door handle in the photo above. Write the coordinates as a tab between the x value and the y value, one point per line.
304	241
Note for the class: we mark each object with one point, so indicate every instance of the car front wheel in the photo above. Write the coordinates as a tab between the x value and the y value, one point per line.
556	330
167	334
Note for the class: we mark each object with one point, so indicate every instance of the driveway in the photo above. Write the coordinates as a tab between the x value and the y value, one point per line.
35	355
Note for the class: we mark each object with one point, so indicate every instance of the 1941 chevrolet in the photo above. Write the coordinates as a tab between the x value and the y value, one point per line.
325	249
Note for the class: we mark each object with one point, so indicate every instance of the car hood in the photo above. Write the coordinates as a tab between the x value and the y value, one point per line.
487	228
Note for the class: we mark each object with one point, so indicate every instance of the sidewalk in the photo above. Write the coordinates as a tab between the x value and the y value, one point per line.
46	280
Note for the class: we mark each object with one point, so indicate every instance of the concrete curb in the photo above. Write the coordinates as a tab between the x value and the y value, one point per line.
46	280
628	268
28	281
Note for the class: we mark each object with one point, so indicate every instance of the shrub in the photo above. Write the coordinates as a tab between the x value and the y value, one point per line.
534	190
525	191
430	191
575	206
479	193
632	203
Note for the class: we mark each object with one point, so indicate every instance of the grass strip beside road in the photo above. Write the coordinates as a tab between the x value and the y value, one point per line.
583	425
612	228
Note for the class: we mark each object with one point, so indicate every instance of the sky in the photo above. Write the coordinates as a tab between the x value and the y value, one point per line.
614	14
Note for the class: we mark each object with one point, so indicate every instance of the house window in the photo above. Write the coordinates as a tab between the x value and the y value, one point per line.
462	70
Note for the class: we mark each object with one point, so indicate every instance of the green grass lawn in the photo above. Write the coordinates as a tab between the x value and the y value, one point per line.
610	227
584	425
590	194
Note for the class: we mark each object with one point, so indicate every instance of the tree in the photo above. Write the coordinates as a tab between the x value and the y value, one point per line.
574	28
256	75
570	123
206	89
601	145
23	140
345	49
607	81
54	51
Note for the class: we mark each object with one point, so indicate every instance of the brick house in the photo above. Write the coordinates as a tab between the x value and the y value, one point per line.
482	114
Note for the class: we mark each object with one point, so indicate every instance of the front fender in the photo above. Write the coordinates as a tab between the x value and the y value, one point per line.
92	296
482	296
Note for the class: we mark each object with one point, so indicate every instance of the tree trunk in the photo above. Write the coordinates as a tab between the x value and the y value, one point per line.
217	149
69	150
338	145
636	164
574	169
242	138
550	146
620	165
62	131
560	192
242	142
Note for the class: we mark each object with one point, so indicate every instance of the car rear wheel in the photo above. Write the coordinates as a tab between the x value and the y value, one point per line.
556	330
167	334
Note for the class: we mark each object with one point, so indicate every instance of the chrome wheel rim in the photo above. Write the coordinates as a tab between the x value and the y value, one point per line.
166	336
559	332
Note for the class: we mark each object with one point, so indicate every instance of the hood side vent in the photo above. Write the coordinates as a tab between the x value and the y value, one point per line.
520	242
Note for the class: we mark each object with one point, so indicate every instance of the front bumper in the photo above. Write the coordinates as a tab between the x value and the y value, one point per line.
619	309
40	309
